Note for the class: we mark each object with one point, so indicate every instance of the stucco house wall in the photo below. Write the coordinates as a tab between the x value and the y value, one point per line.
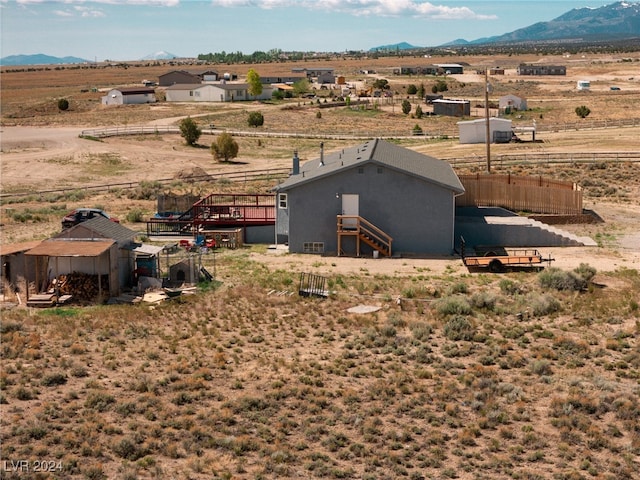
418	212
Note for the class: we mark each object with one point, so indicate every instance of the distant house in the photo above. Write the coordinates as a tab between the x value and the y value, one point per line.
512	102
214	92
129	96
329	204
416	70
282	79
187	76
319	74
450	68
541	69
452	108
475	131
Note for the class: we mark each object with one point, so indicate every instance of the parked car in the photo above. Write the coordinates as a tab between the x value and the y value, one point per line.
80	215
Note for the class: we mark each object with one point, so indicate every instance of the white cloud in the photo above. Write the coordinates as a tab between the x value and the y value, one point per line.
151	3
63	13
381	8
89	12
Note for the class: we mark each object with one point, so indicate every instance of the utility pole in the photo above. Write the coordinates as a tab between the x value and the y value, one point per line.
486	114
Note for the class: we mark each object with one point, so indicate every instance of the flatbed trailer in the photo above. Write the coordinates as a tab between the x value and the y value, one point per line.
496	259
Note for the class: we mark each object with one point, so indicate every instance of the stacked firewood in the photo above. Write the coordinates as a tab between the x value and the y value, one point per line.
82	286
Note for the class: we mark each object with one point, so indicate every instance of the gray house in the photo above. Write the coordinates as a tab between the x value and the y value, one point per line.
376	198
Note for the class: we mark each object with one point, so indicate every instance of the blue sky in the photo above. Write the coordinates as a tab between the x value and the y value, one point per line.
132	29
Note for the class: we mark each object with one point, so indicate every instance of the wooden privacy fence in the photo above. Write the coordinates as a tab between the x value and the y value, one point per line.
521	193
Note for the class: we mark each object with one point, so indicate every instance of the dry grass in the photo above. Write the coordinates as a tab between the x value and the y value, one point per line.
240	383
469	376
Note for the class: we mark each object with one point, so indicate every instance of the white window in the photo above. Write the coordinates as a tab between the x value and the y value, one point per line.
313	247
282	201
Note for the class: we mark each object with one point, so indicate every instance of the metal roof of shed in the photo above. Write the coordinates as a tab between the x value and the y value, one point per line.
71	248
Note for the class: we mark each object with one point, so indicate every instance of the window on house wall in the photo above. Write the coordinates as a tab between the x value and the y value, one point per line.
380	170
282	200
191	93
360	169
313	247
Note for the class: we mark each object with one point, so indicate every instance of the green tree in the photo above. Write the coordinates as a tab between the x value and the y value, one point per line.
440	86
190	131
421	91
256	119
224	148
63	104
301	87
419	112
406	106
412	89
583	111
277	94
381	84
255	84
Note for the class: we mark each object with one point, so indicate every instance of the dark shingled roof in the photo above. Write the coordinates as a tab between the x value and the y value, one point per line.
383	153
103	228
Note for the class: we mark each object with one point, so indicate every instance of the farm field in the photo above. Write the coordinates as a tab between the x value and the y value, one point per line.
412	368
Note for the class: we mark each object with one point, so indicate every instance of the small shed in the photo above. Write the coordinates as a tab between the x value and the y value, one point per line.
186	270
450	68
129	96
475	131
509	103
96	262
15	265
452	108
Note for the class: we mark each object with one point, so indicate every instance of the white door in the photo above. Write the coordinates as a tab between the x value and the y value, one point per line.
350	206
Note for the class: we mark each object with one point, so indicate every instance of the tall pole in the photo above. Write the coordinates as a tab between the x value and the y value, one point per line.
486	115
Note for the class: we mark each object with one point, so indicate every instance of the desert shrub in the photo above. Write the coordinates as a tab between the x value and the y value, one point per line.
510	287
255	119
484	300
455	305
459	328
54	379
99	401
421	331
542	305
585	271
63	104
145	191
190	131
135	215
583	111
540	367
557	279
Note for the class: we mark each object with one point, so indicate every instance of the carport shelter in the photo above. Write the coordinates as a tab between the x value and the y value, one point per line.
65	256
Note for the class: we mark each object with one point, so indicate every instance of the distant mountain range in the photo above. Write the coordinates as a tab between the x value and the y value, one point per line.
42	59
38	59
615	21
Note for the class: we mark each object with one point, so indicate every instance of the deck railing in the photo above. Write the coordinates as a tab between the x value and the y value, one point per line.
357	226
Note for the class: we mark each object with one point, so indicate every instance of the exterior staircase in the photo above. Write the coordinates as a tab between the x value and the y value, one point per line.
364	232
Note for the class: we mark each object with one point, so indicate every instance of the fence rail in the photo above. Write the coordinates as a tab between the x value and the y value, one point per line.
245	176
521	193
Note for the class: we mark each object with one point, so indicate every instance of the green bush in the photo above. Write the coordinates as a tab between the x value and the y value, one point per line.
63	104
459	328
542	305
256	119
557	279
135	215
456	305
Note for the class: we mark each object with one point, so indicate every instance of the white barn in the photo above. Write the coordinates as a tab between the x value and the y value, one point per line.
214	92
512	102
129	96
474	131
